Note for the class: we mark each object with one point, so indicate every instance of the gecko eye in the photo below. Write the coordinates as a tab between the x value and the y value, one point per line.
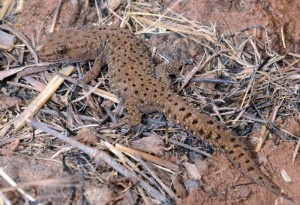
61	50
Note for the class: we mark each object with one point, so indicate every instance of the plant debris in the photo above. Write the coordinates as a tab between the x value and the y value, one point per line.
57	133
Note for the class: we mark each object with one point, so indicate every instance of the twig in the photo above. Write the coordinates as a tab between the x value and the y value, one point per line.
41	99
56	13
4	199
101	156
12	183
200	67
22	38
149	157
186	146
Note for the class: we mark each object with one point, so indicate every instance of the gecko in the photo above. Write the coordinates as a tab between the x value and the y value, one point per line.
131	77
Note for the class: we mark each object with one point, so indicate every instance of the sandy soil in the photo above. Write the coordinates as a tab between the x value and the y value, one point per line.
216	181
279	17
224	185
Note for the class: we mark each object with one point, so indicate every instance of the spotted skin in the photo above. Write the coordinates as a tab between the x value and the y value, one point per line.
131	74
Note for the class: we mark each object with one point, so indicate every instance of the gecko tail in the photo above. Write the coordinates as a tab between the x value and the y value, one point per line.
205	127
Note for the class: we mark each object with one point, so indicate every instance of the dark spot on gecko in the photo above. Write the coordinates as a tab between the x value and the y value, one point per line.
241	154
194	121
218	137
136	92
210	122
209	135
188	115
201	132
182	109
233	139
231	152
247	161
250	169
236	145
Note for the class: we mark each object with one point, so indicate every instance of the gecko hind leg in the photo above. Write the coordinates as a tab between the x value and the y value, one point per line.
165	71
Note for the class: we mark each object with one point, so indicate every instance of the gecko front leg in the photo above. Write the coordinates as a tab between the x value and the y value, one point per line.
134	113
95	71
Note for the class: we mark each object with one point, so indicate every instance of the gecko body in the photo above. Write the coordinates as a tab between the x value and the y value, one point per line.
131	77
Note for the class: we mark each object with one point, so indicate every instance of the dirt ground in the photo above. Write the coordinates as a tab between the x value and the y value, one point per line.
276	17
52	172
220	179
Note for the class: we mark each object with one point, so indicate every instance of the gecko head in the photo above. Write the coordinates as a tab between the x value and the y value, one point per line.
53	49
66	46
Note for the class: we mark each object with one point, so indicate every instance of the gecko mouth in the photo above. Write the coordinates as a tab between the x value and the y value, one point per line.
51	58
56	59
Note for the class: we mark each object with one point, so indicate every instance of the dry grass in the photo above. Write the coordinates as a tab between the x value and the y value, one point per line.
266	87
